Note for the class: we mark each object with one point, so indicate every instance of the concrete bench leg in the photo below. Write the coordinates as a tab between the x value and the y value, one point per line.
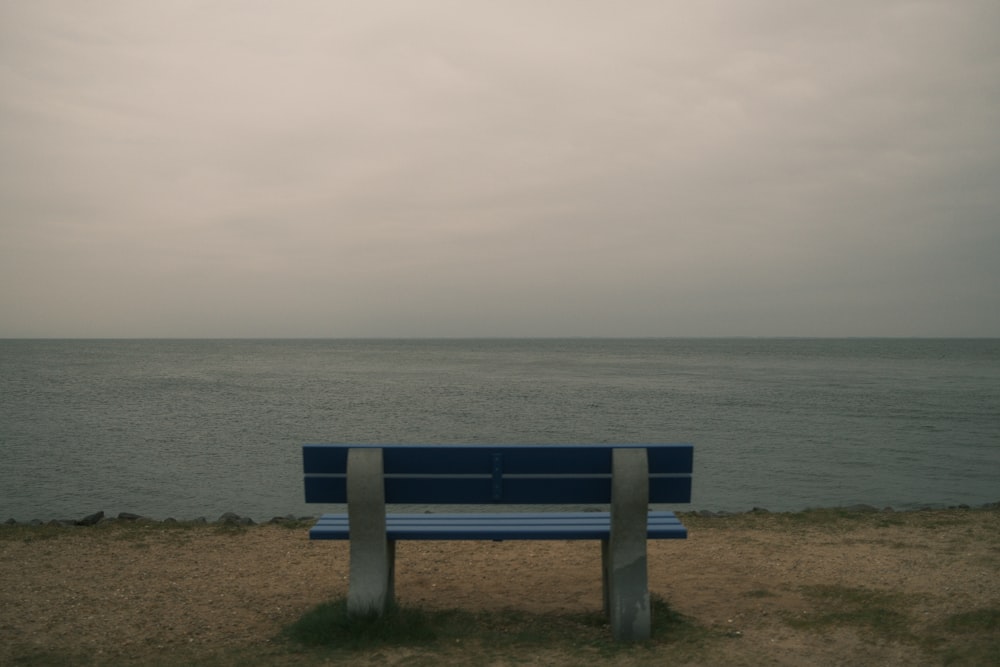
373	556
605	569
626	587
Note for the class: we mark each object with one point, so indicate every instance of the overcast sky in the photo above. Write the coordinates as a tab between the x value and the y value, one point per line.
483	168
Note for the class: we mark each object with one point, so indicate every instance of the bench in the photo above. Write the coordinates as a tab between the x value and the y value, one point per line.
626	478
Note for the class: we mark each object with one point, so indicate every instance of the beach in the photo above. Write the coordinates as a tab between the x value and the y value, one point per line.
766	587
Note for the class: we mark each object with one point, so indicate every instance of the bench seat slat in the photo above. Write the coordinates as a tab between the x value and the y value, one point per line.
504	517
500	526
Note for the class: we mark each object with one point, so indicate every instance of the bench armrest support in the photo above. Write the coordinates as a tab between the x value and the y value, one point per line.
372	554
626	591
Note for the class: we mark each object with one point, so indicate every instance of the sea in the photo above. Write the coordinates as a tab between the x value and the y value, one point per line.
197	428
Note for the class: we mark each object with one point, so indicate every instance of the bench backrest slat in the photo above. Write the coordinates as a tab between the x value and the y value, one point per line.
508	474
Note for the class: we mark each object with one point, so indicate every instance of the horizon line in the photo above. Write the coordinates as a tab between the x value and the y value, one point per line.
459	338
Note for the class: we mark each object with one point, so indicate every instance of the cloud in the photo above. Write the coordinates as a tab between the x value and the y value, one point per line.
473	168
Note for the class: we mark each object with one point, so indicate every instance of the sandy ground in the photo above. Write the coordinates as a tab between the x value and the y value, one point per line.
120	595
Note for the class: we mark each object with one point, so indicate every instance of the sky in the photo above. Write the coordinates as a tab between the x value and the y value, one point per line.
467	168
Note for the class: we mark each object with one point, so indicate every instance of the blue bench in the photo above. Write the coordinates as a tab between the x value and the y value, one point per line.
626	478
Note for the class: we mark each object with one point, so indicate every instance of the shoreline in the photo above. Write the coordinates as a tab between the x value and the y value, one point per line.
234	519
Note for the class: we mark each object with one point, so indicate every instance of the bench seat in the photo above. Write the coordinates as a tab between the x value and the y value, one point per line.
500	526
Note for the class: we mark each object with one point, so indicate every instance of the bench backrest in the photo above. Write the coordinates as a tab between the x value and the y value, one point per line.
502	474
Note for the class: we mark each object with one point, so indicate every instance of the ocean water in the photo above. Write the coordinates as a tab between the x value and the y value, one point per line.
184	428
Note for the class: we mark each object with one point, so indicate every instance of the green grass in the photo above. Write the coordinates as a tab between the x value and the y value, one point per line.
970	638
876	612
980	620
975	638
329	627
329	624
38	657
759	593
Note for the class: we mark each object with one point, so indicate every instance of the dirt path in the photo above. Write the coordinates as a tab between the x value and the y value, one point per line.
769	582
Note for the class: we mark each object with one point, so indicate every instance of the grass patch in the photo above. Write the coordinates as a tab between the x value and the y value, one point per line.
760	593
980	620
329	627
30	656
972	638
974	653
878	612
329	624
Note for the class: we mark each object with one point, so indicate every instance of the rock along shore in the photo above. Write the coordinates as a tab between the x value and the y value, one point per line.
234	519
229	518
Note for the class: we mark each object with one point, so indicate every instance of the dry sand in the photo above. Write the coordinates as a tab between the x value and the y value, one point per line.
154	593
